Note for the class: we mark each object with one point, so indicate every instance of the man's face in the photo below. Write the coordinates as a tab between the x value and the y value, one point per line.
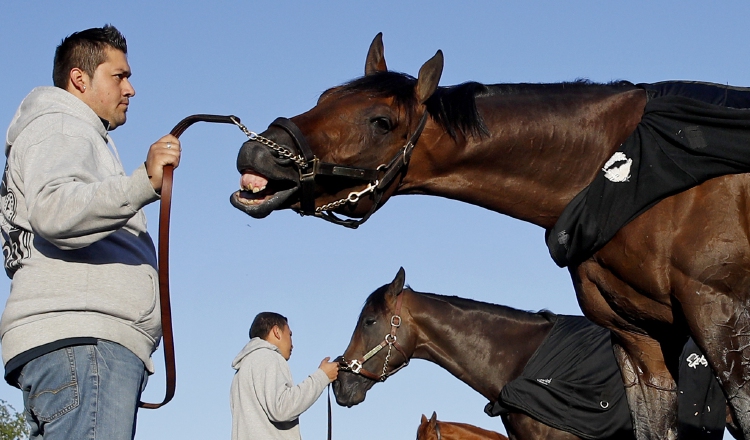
109	91
285	342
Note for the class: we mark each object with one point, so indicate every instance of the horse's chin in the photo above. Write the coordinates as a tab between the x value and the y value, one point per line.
261	204
353	393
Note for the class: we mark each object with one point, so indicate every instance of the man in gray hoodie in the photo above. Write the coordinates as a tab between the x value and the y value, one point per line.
265	403
82	318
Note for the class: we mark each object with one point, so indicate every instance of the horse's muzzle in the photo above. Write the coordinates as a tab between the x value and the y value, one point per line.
282	181
351	389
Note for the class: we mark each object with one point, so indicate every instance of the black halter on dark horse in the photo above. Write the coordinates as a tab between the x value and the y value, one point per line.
681	268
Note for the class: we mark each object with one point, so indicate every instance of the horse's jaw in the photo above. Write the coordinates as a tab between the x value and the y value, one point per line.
351	392
260	204
267	183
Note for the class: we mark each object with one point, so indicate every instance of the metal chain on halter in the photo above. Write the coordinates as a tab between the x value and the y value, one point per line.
282	151
387	358
353	197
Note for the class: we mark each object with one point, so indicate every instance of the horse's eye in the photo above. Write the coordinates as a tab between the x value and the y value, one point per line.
369	322
382	124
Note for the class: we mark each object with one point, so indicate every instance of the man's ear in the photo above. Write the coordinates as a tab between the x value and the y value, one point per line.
77	79
276	331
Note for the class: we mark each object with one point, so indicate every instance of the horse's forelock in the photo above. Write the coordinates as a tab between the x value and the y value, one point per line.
376	301
454	108
399	86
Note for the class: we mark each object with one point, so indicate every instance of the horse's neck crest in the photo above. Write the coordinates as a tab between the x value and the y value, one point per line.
544	381
694	360
617	168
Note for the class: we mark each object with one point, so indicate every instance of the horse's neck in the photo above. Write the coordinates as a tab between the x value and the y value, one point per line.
542	150
483	345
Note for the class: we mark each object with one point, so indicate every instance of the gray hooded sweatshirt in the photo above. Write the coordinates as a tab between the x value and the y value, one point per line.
73	234
264	401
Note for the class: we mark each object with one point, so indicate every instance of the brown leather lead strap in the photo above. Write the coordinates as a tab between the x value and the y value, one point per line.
330	418
166	308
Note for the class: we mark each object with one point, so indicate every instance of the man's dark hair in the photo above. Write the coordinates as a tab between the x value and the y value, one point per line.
264	322
85	50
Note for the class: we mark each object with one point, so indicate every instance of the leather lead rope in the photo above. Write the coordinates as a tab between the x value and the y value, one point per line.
330	418
163	262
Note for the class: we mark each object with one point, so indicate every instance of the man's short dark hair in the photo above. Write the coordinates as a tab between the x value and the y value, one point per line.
264	322
85	50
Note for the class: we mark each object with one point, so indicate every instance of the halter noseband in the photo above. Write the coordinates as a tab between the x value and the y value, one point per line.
356	366
309	166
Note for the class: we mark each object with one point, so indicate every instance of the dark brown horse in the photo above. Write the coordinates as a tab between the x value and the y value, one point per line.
485	345
681	268
434	429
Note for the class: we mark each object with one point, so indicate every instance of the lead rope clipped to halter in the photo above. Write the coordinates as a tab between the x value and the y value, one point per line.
163	261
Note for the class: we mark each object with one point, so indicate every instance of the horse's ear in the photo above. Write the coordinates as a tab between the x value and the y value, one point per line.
424	419
429	77
376	56
433	419
397	285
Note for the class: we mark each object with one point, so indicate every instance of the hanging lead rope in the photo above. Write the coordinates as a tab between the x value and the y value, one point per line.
163	262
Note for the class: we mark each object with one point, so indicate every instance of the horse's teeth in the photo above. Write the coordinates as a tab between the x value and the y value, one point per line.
258	189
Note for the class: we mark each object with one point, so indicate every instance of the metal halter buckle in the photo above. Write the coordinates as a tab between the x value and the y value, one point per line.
355	366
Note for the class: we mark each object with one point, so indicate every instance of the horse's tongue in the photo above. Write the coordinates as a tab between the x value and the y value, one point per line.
251	181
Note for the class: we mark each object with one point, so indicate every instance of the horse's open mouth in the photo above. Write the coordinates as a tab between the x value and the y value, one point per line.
258	196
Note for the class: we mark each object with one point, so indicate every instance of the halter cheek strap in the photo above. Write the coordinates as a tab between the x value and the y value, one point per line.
390	171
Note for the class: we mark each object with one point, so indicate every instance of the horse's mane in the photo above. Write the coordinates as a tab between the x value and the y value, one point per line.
376	301
454	107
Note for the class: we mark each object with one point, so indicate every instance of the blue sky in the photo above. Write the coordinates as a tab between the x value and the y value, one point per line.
263	59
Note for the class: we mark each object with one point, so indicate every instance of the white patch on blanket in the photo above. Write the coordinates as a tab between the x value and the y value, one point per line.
617	168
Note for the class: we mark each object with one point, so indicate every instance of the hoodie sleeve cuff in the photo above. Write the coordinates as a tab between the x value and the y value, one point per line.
320	376
140	190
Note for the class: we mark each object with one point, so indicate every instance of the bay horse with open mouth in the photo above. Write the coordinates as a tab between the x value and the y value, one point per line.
526	150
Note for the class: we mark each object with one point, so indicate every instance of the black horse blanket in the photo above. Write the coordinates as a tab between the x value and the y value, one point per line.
690	132
572	383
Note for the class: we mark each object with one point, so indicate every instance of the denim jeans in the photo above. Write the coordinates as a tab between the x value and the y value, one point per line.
83	392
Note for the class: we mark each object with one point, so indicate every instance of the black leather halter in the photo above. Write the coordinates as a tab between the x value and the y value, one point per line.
379	179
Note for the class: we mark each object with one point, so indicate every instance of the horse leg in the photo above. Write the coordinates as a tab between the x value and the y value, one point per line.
520	426
649	386
732	427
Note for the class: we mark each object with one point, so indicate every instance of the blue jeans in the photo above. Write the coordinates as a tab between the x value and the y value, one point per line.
83	392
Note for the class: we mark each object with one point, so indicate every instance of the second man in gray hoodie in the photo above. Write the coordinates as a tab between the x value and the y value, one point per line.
265	402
